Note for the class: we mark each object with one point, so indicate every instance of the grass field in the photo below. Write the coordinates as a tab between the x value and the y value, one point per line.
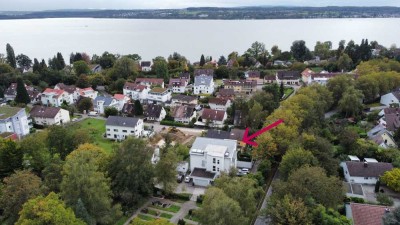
96	128
166	215
145	217
172	208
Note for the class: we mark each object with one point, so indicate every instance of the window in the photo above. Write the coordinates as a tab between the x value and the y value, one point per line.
125	131
116	130
213	160
218	169
132	131
217	161
108	129
213	168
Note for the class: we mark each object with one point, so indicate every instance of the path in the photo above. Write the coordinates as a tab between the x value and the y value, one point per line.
185	207
262	220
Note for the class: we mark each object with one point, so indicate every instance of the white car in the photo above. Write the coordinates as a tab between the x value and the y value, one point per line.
187	179
244	170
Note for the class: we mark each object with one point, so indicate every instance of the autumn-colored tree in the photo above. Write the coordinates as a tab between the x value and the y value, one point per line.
392	179
290	211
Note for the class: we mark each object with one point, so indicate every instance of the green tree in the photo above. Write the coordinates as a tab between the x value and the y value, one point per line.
369	87
165	170
110	111
324	216
396	136
338	86
36	152
323	49
107	60
5	68
22	94
85	104
138	108
295	159
384	199
18	188
275	51
300	51
10	157
222	60
392	179
289	211
202	60
80	67
282	90
48	210
218	208
83	81
160	67
84	179
256	49
351	102
392	218
24	62
11	56
52	174
131	171
126	68
345	63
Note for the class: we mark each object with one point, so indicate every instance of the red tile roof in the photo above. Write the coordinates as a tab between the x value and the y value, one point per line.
214	115
55	92
364	214
133	86
180	82
218	101
119	97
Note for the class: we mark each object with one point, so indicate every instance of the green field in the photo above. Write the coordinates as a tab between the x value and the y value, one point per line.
96	129
145	217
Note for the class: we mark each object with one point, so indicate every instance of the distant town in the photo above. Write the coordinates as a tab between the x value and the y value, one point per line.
117	139
240	13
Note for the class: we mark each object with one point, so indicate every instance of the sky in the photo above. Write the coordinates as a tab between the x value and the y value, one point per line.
35	5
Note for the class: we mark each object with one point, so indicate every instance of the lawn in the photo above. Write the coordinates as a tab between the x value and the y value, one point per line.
121	221
166	215
96	128
172	208
288	92
375	104
193	217
145	217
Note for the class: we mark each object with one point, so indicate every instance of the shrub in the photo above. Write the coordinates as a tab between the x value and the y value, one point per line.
181	222
200	199
384	199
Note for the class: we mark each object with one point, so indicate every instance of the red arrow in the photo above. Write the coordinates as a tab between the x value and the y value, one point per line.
247	139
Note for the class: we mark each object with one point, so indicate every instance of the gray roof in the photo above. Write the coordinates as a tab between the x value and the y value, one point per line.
122	121
203	80
107	100
202	142
359	169
44	112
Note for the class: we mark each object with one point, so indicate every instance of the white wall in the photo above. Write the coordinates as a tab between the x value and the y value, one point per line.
389	99
121	133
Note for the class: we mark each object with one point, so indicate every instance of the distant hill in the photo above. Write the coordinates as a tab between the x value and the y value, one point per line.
240	13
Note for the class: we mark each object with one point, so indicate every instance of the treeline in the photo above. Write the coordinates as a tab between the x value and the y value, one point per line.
77	182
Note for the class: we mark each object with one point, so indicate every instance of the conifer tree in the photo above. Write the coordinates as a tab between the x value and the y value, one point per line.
202	60
11	56
22	93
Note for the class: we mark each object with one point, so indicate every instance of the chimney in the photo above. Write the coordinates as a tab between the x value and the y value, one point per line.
365	164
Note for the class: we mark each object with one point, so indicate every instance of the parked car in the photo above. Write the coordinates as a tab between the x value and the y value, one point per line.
187	179
93	113
244	170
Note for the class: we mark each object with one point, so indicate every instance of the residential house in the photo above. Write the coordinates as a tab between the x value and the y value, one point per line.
136	91
87	93
183	114
128	109
288	77
200	72
183	100
234	134
46	116
121	99
366	214
96	68
145	66
55	97
158	95
150	82
155	113
203	84
182	167
269	79
392	98
253	75
306	76
214	118
185	75
209	157
322	78
14	120
219	103
226	93
119	128
11	92
241	86
102	102
70	89
178	85
384	139
282	63
392	118
364	172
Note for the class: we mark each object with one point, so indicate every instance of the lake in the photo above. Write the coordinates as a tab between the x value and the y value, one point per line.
43	38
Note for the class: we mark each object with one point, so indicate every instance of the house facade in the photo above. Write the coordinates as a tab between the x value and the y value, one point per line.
121	100
288	77
119	128
47	116
209	157
101	103
55	97
214	118
155	113
14	120
145	66
183	100
11	92
392	98
158	95
203	84
364	172
219	103
226	93
149	82
241	86
178	85
136	91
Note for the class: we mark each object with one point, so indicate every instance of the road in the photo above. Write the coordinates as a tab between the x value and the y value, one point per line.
158	128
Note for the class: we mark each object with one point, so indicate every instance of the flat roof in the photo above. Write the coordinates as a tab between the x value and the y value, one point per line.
7	111
203	173
353	158
216	150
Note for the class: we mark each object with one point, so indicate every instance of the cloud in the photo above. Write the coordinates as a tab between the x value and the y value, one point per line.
21	5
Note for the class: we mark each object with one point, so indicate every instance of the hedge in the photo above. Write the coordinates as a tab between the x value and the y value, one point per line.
173	123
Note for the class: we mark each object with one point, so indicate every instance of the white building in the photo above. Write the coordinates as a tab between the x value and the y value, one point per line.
178	85
209	157
183	113
391	98
87	93
214	118
155	112
158	95
366	172
119	128
136	91
145	66
219	103
121	100
203	84
14	120
288	77
47	116
55	97
101	103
